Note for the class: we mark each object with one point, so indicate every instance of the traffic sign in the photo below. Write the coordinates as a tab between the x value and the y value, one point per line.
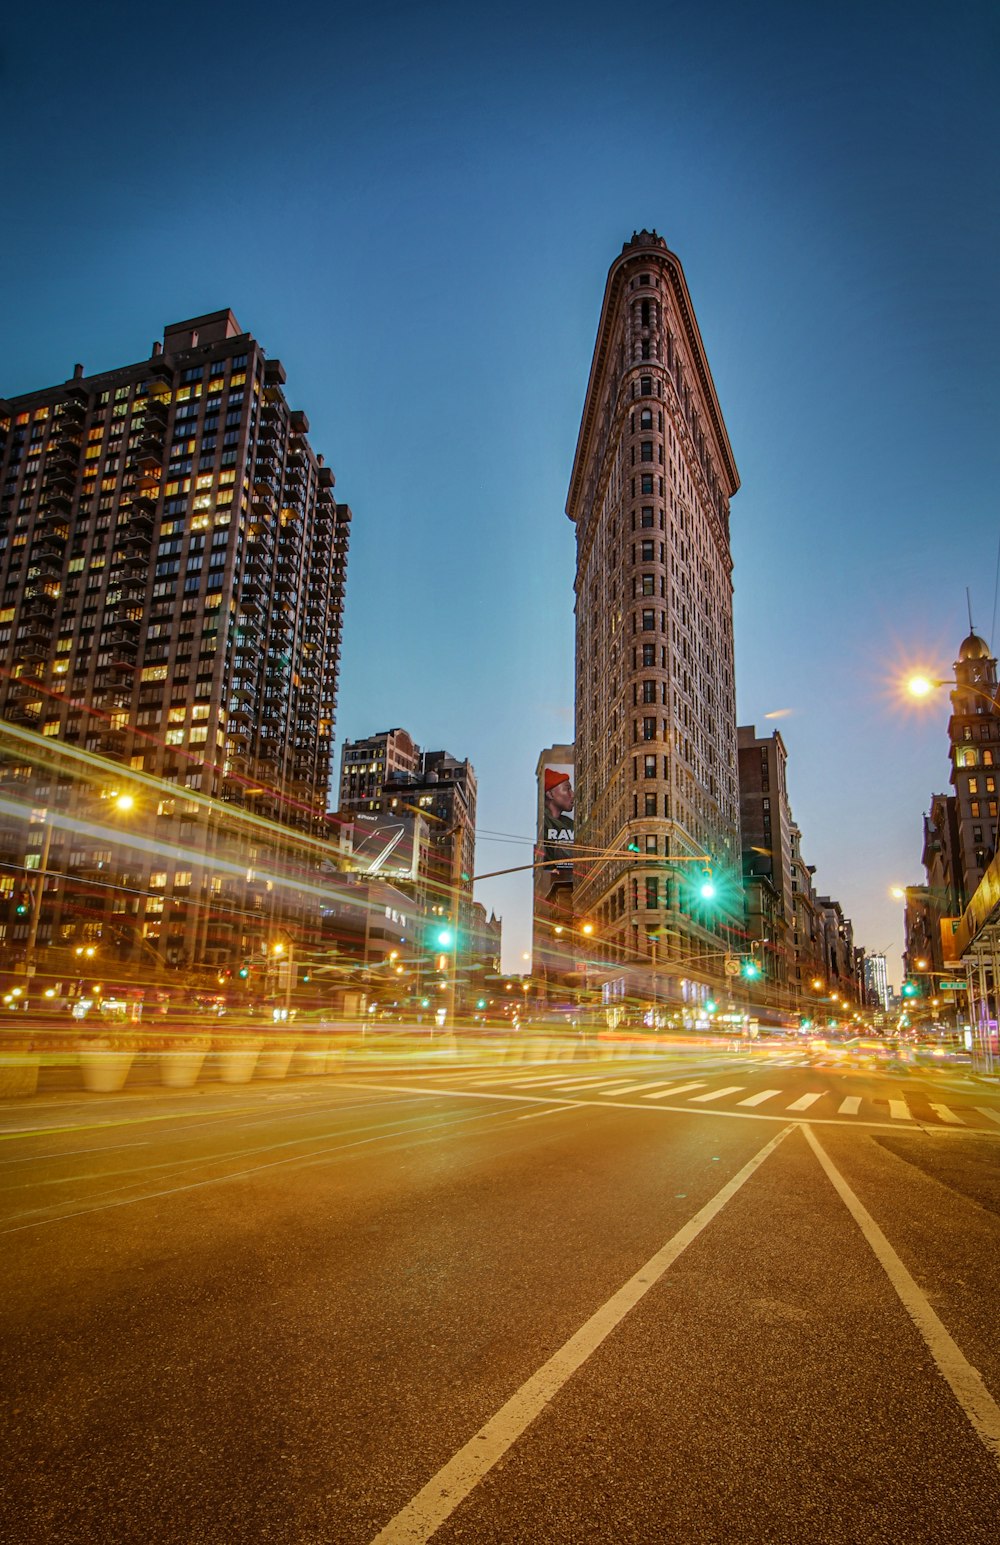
952	986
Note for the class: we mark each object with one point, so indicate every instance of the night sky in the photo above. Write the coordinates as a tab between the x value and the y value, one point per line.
415	207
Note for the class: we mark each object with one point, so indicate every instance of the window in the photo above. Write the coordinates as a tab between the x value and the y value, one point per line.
649	729
649	801
646	418
648	655
646	386
647	483
648	621
650	841
647	552
652	892
647	516
649	767
649	691
973	785
648	585
645	450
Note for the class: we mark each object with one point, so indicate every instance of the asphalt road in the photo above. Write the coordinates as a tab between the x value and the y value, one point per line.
685	1297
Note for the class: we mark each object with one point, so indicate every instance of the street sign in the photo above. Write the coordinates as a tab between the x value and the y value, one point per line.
732	965
952	986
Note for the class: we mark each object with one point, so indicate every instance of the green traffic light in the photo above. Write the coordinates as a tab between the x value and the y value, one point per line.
710	1005
910	990
706	890
750	968
445	938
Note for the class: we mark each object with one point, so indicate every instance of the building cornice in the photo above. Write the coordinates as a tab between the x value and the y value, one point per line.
639	253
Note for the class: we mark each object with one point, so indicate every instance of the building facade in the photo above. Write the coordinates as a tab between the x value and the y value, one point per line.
653	475
974	736
554	945
388	777
766	827
172	579
367	765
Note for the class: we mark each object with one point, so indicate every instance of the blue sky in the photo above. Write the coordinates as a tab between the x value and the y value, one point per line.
415	207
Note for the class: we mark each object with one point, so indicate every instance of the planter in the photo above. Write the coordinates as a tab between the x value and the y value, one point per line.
335	1059
18	1072
310	1056
237	1062
105	1068
274	1059
180	1065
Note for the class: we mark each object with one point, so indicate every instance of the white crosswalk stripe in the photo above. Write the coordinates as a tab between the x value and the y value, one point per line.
675	1089
849	1106
633	1088
946	1114
715	1094
805	1100
758	1099
992	1115
899	1110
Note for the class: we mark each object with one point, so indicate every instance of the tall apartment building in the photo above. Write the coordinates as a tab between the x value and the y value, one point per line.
367	765
876	979
172	576
766	827
655	741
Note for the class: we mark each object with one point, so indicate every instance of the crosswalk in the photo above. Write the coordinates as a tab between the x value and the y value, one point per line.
899	1106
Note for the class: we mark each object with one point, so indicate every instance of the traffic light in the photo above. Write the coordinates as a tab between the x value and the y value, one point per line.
23	904
911	990
633	846
749	967
710	1005
244	971
444	938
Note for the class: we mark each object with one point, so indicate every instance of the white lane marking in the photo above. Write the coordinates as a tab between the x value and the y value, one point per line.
899	1110
514	1078
804	1102
550	1110
583	1083
945	1114
435	1502
758	1099
614	1083
850	1106
634	1088
677	1089
993	1115
715	1094
965	1382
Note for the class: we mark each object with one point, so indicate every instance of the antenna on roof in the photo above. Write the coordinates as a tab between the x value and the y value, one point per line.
996	588
968	602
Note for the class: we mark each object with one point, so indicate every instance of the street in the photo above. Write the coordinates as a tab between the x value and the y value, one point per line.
681	1294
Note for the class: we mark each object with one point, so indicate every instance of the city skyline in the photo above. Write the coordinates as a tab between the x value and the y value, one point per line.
448	216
